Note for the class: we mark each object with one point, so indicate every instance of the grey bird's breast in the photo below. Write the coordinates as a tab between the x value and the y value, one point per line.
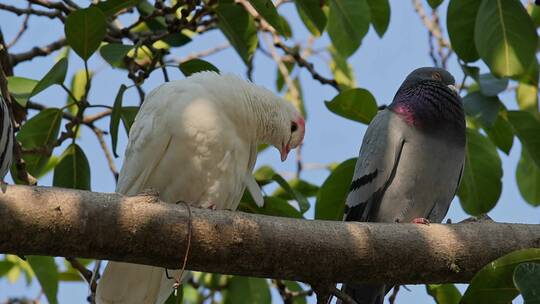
425	179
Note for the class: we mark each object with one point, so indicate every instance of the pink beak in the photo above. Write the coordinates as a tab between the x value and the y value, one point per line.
285	152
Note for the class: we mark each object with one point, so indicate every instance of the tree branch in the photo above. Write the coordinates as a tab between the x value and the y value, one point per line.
141	229
38	51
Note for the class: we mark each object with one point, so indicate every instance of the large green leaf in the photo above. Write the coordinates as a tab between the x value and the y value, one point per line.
85	29
56	75
348	23
460	21
501	134
527	281
116	115
268	11
238	26
307	189
299	197
244	290
380	15
481	181
128	116
312	15
39	132
527	128
444	293
491	85
505	37
111	7
196	65
527	97
273	206
493	284
355	104
331	198
47	274
114	53
5	267
528	179
73	170
21	88
481	107
342	70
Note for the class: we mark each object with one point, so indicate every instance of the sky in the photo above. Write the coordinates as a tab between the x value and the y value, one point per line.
380	66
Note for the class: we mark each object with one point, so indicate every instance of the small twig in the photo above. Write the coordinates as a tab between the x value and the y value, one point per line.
86	273
345	298
392	297
108	156
38	51
30	11
204	53
178	278
93	281
22	30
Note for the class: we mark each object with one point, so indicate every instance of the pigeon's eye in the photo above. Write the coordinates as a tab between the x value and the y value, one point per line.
294	126
436	76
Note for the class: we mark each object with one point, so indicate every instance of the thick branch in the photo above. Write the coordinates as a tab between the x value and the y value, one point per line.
60	222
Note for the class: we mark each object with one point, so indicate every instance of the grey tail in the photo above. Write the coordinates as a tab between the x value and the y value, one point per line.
365	293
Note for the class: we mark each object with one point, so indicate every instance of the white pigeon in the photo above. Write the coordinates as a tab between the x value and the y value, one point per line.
195	140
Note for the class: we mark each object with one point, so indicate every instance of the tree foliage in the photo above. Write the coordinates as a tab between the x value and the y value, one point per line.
499	38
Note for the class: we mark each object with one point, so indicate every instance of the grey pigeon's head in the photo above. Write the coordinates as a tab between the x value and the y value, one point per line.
429	74
428	100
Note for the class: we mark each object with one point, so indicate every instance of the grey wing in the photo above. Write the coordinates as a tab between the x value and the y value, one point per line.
379	156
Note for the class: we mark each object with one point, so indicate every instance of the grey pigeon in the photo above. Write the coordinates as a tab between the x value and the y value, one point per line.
410	162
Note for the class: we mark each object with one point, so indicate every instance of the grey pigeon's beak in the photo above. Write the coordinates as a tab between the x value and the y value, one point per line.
453	88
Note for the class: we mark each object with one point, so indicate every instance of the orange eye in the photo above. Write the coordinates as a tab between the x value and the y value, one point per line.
436	76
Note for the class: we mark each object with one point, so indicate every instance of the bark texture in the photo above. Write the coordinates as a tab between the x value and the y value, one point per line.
141	229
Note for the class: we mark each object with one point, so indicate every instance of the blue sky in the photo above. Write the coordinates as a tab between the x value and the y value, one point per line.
380	66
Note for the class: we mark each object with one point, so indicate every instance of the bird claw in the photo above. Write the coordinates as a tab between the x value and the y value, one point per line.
212	207
421	220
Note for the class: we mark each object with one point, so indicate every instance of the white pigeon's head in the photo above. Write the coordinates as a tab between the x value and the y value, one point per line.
291	128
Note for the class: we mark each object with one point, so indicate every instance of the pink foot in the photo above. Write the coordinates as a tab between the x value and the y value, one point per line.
421	220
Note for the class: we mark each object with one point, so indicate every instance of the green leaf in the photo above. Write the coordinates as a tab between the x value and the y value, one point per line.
85	29
196	65
355	104
21	88
535	15
114	53
295	287
494	282
505	37
527	281
527	97
268	11
527	127
434	3
444	293
481	180
56	75
128	117
5	267
39	132
300	199
501	134
471	71
312	15
116	115
280	81
239	28
331	198
528	179
490	85
73	171
77	89
348	23
111	7
244	290
155	24
47	274
287	30
380	15
481	107
342	70
273	206
460	21
305	188
263	175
